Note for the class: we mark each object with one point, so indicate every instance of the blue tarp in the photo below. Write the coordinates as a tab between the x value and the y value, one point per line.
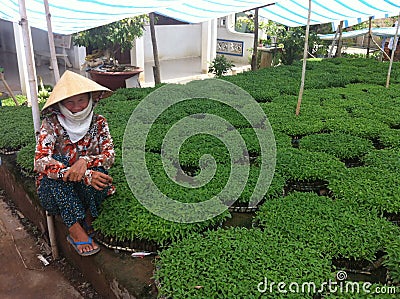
70	16
294	13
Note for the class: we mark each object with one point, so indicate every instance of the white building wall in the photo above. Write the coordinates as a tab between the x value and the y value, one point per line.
7	44
226	31
173	42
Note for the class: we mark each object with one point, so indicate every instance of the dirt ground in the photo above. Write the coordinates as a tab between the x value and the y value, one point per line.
23	274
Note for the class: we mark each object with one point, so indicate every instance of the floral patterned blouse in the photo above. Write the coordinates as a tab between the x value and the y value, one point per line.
96	147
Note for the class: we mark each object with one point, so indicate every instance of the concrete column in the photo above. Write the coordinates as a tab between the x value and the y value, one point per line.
209	31
137	56
79	57
214	36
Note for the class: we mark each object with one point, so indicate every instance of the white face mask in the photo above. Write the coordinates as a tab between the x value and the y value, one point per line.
76	124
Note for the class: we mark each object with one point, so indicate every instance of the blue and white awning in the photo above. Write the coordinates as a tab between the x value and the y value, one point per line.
197	11
69	16
293	13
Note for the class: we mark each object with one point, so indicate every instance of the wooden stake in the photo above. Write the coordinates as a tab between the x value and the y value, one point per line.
255	43
156	67
8	89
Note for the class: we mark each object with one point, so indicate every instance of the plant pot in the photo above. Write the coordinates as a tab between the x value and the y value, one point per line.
114	80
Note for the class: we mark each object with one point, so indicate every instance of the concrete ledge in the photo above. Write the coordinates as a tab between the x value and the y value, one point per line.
113	275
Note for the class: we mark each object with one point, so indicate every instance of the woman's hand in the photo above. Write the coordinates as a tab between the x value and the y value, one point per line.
100	180
76	172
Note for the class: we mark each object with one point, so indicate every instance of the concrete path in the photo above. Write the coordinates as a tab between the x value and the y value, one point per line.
22	274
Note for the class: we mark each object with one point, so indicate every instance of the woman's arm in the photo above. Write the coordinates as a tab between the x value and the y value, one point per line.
44	162
107	154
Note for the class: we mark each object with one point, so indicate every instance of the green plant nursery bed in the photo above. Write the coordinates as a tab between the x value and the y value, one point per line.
333	204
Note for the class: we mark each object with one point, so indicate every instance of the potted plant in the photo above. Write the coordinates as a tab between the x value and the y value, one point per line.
103	43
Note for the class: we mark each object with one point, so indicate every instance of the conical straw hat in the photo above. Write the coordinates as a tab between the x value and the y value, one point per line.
71	84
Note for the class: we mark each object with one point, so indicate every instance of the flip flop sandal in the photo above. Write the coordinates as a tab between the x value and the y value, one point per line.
75	245
88	228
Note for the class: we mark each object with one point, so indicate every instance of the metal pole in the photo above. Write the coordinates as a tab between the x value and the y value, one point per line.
34	100
305	54
53	55
395	41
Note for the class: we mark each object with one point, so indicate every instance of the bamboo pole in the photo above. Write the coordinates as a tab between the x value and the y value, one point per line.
369	36
380	49
395	41
34	100
333	42
340	42
305	53
53	55
30	68
255	43
56	72
156	67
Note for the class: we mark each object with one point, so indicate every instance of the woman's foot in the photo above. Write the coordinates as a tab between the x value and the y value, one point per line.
87	224
82	242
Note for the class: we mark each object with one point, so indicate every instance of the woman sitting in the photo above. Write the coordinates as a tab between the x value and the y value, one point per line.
73	153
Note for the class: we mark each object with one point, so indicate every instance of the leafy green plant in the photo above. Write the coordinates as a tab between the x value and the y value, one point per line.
269	28
24	158
300	165
385	159
369	187
220	66
342	146
335	228
393	258
360	126
231	263
113	37
16	127
346	98
293	42
44	91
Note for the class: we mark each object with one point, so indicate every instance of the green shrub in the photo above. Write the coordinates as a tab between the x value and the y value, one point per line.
220	66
